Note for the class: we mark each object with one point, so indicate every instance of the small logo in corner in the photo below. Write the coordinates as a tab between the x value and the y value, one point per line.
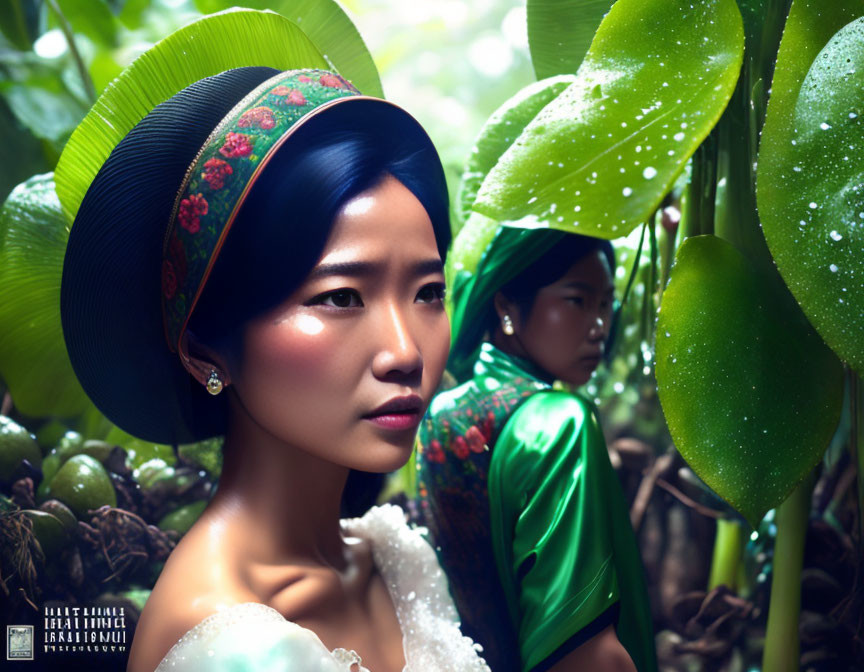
19	642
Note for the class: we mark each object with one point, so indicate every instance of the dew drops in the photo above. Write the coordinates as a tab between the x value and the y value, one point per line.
627	191
678	136
824	126
813	205
852	115
532	200
578	208
835	236
797	169
649	173
834	268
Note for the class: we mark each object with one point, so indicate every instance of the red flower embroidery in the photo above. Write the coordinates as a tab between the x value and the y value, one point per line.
191	210
177	255
488	426
305	79
296	97
169	280
262	117
236	145
332	81
460	447
215	172
474	439
289	96
435	453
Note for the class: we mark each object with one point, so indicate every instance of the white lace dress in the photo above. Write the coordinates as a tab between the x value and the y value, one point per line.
252	637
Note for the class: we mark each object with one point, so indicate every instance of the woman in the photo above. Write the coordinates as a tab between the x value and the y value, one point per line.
515	481
288	296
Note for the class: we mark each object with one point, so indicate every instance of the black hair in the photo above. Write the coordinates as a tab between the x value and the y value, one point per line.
551	267
283	225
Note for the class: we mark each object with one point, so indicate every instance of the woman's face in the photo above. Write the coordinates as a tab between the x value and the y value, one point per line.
566	329
346	366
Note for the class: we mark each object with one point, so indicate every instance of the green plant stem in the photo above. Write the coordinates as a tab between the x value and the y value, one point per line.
702	190
728	545
635	268
73	49
782	646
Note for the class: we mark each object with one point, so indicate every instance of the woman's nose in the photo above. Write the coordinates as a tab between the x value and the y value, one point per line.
598	328
399	353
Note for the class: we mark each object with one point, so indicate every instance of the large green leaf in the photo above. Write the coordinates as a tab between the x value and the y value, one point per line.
600	157
810	193
751	394
208	46
499	132
33	359
331	31
560	32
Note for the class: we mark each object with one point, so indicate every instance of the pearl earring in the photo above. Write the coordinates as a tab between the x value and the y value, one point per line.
507	325
214	383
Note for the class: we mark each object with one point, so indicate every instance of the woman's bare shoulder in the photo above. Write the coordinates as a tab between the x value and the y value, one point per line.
196	582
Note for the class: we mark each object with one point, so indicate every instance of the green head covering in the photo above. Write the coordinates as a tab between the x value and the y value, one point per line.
486	255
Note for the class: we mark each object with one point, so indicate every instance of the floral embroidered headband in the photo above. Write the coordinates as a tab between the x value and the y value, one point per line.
221	176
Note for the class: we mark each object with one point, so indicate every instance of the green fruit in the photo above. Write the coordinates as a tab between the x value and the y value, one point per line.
180	520
82	483
62	513
50	434
69	445
49	532
50	466
43	492
16	444
152	472
68	448
100	450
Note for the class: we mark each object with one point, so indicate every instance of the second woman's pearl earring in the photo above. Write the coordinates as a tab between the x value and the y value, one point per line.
214	383
507	325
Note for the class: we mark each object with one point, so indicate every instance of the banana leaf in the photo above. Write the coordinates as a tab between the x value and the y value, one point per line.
33	359
205	47
331	31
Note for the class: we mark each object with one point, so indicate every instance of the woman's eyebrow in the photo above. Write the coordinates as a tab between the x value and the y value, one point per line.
428	267
367	268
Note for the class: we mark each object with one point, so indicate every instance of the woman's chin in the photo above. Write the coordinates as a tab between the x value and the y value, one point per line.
385	457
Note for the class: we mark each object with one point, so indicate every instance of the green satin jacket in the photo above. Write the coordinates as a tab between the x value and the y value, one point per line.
529	519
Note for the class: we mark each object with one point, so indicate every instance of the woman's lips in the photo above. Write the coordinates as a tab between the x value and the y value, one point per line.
399	421
398	413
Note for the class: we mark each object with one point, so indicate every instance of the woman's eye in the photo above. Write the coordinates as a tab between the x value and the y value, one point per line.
433	293
340	298
577	300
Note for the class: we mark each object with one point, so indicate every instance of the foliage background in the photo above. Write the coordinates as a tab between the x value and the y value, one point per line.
451	63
